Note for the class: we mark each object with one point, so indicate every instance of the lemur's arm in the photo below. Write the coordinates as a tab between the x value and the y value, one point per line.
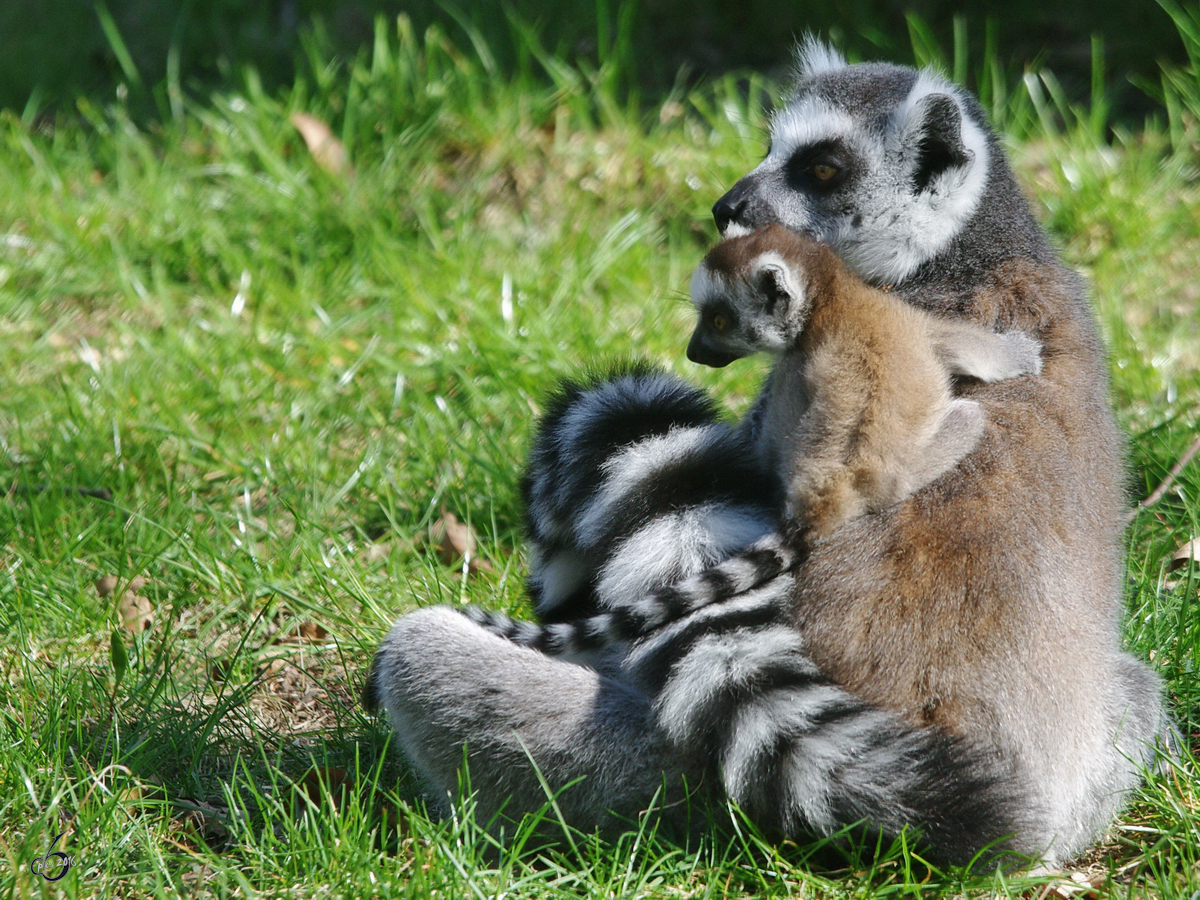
968	349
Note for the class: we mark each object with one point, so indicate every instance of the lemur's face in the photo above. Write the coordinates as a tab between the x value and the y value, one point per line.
748	299
720	335
881	163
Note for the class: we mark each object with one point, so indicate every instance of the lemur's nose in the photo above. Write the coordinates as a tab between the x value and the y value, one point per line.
727	209
741	205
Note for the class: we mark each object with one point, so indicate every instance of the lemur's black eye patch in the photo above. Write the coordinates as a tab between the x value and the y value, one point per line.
820	166
719	318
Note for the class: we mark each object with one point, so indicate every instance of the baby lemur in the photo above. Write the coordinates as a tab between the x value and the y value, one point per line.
860	412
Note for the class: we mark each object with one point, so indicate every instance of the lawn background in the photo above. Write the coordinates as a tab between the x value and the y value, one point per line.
285	376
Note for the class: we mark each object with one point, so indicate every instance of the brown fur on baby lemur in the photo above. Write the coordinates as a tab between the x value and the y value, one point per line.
860	413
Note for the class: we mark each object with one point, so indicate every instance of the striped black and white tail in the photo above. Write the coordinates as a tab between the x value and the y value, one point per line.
736	695
800	754
582	639
633	484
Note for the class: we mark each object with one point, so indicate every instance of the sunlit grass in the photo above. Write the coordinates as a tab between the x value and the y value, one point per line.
285	377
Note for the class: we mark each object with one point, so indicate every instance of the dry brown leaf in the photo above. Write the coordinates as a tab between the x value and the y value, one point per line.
378	552
327	151
1188	551
453	541
305	631
311	631
136	612
141	791
1077	886
106	584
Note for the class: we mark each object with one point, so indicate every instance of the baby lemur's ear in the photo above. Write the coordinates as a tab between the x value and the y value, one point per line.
777	287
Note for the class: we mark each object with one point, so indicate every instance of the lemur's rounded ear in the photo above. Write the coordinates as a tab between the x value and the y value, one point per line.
775	285
939	139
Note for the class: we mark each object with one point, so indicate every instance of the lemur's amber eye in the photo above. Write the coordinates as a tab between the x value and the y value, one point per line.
719	322
824	171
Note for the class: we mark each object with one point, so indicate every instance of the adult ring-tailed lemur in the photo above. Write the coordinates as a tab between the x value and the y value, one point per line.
950	663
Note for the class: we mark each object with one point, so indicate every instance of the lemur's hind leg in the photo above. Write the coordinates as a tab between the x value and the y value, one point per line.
959	431
446	684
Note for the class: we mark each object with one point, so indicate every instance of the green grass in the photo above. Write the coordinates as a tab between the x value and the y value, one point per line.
285	377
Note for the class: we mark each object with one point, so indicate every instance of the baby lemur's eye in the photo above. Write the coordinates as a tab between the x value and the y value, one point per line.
719	322
824	171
